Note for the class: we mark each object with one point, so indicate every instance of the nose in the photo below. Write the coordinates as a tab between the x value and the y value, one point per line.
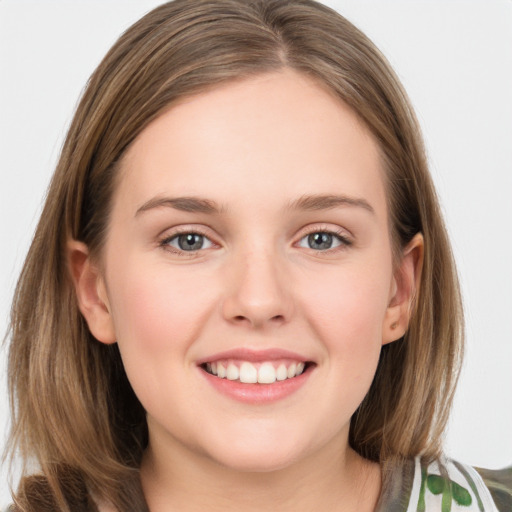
258	293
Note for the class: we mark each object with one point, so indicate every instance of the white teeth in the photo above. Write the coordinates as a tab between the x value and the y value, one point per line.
282	372
291	370
266	374
248	373
232	372
221	371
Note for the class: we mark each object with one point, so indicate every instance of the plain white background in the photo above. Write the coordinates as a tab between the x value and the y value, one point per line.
455	60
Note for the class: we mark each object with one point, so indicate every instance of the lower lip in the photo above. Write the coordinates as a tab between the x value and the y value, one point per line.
257	393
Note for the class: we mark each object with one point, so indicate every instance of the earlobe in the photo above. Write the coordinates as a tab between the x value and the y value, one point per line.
404	290
90	292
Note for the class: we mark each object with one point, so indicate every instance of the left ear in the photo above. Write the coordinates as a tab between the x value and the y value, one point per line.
403	292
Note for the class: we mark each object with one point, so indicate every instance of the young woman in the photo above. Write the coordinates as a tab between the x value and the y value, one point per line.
240	294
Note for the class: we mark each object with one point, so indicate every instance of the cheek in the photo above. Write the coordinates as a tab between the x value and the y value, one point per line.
348	313
157	316
155	310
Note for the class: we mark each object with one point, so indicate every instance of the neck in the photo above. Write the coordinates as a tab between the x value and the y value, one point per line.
332	481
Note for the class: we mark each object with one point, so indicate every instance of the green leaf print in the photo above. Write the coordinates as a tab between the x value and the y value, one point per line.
450	490
421	501
461	495
435	484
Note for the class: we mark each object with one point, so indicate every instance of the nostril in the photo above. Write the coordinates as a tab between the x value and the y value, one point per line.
242	318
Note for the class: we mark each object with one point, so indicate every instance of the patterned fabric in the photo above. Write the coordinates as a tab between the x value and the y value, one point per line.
499	484
447	486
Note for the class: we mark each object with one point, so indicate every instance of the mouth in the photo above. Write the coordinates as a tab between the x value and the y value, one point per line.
262	372
257	377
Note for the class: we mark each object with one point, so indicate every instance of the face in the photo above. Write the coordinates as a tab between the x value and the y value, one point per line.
247	274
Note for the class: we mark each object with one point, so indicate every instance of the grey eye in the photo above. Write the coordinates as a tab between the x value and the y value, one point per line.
320	241
190	242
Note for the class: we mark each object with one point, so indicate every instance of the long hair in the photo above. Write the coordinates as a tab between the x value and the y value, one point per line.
74	412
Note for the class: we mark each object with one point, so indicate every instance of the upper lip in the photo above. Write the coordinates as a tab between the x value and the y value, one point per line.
253	356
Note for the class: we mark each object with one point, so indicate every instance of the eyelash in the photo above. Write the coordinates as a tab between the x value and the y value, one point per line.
339	235
164	242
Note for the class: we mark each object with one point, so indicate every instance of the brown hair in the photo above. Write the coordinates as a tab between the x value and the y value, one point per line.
74	412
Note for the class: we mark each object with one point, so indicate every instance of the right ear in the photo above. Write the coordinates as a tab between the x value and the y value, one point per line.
91	292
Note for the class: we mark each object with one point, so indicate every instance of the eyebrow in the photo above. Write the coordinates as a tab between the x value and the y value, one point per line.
306	202
184	204
327	202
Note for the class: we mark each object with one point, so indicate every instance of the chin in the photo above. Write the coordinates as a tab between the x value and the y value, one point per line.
259	463
260	457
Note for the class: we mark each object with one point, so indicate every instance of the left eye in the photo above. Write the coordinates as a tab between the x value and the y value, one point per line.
189	242
321	241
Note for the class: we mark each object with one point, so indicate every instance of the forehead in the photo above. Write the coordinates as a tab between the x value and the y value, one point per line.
276	136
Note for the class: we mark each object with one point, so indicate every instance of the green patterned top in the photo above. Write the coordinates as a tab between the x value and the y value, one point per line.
447	486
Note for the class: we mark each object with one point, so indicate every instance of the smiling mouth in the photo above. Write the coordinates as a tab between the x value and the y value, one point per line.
256	373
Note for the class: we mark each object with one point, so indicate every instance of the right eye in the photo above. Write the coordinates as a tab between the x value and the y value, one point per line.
188	242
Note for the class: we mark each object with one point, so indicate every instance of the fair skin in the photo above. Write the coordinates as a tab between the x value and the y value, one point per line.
278	189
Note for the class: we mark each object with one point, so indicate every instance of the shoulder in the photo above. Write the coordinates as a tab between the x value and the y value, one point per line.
448	482
446	485
499	483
